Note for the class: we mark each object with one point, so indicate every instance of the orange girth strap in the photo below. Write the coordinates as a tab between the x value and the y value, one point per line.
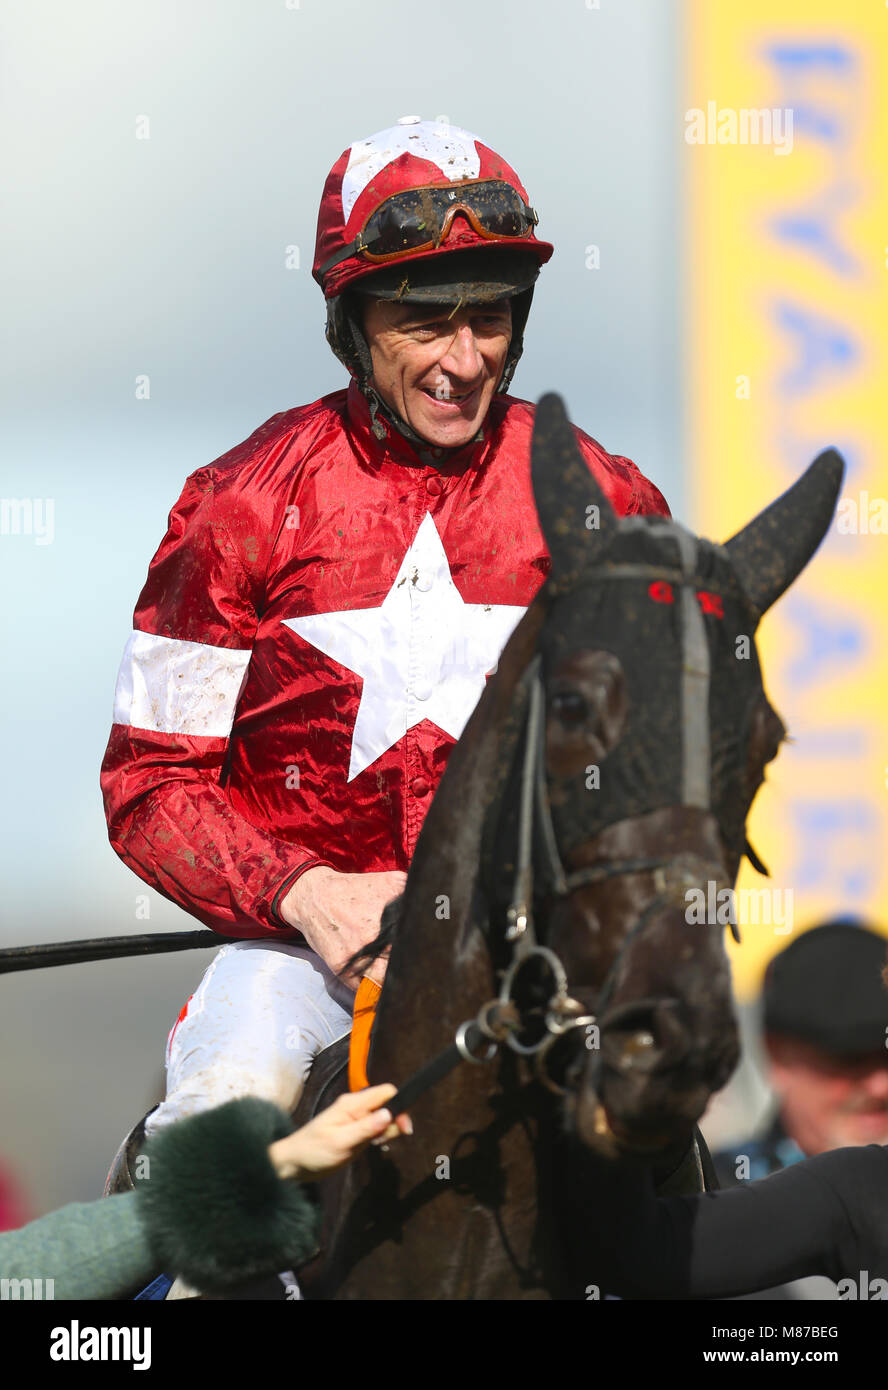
364	1014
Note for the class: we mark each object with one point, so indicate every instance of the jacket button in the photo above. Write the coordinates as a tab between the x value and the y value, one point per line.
434	485
420	787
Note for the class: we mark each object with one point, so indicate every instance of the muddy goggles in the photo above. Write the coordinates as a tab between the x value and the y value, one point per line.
419	218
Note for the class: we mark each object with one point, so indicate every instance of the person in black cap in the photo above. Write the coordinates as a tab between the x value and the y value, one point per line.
825	1025
825	1021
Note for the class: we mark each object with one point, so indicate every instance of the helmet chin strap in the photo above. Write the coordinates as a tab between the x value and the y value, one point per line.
378	406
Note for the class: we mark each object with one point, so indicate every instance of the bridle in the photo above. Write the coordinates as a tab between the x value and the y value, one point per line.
499	1021
674	875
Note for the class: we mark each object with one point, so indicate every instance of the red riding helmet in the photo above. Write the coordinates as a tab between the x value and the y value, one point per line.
419	190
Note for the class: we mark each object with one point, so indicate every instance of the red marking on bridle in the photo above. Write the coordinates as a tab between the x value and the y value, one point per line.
711	603
661	592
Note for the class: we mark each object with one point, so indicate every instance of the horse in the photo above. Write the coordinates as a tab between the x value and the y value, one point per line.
602	784
544	935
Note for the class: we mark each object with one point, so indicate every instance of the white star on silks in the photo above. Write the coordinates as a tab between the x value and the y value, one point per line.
423	654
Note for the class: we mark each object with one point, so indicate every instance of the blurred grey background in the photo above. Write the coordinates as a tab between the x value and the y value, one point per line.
165	257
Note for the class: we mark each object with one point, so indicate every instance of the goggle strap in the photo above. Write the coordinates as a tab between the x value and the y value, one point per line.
353	249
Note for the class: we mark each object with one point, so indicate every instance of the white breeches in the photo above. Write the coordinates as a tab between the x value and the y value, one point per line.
260	1015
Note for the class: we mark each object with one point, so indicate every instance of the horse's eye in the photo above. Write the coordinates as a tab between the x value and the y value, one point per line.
570	706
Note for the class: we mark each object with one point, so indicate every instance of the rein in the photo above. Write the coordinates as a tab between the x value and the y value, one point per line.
14	958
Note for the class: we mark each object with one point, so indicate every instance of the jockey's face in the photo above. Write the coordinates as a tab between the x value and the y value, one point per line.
436	366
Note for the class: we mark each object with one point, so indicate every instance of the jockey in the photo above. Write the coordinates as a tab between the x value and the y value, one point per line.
320	619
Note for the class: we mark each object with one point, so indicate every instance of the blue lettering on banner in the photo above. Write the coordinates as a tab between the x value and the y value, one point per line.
831	642
839	849
808	228
822	345
838	840
795	63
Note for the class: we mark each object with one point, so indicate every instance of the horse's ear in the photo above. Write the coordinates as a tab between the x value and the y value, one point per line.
574	512
774	548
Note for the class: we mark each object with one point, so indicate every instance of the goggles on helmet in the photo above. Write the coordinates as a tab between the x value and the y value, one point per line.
418	219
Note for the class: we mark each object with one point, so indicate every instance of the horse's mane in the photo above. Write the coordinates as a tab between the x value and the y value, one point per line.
391	917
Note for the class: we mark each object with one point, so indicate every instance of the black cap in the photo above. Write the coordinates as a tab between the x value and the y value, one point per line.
477	275
826	989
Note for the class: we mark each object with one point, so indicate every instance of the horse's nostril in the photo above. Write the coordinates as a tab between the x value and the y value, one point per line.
635	1046
636	1017
644	1035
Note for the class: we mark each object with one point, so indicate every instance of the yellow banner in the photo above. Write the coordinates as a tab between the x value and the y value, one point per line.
784	156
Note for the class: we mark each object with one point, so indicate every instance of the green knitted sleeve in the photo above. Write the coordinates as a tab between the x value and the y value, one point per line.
209	1207
90	1250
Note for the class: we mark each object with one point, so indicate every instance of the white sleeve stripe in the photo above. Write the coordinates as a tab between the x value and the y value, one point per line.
175	687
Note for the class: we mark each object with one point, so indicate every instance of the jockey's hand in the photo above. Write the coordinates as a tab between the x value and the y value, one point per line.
338	1134
338	913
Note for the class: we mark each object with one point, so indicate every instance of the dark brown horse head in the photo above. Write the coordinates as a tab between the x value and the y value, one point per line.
657	732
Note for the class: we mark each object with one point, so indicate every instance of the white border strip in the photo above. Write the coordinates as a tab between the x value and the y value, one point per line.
175	687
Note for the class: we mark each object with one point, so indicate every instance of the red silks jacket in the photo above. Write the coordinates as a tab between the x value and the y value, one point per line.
314	633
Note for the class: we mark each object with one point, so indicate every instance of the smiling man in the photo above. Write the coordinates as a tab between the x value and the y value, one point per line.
438	367
331	595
